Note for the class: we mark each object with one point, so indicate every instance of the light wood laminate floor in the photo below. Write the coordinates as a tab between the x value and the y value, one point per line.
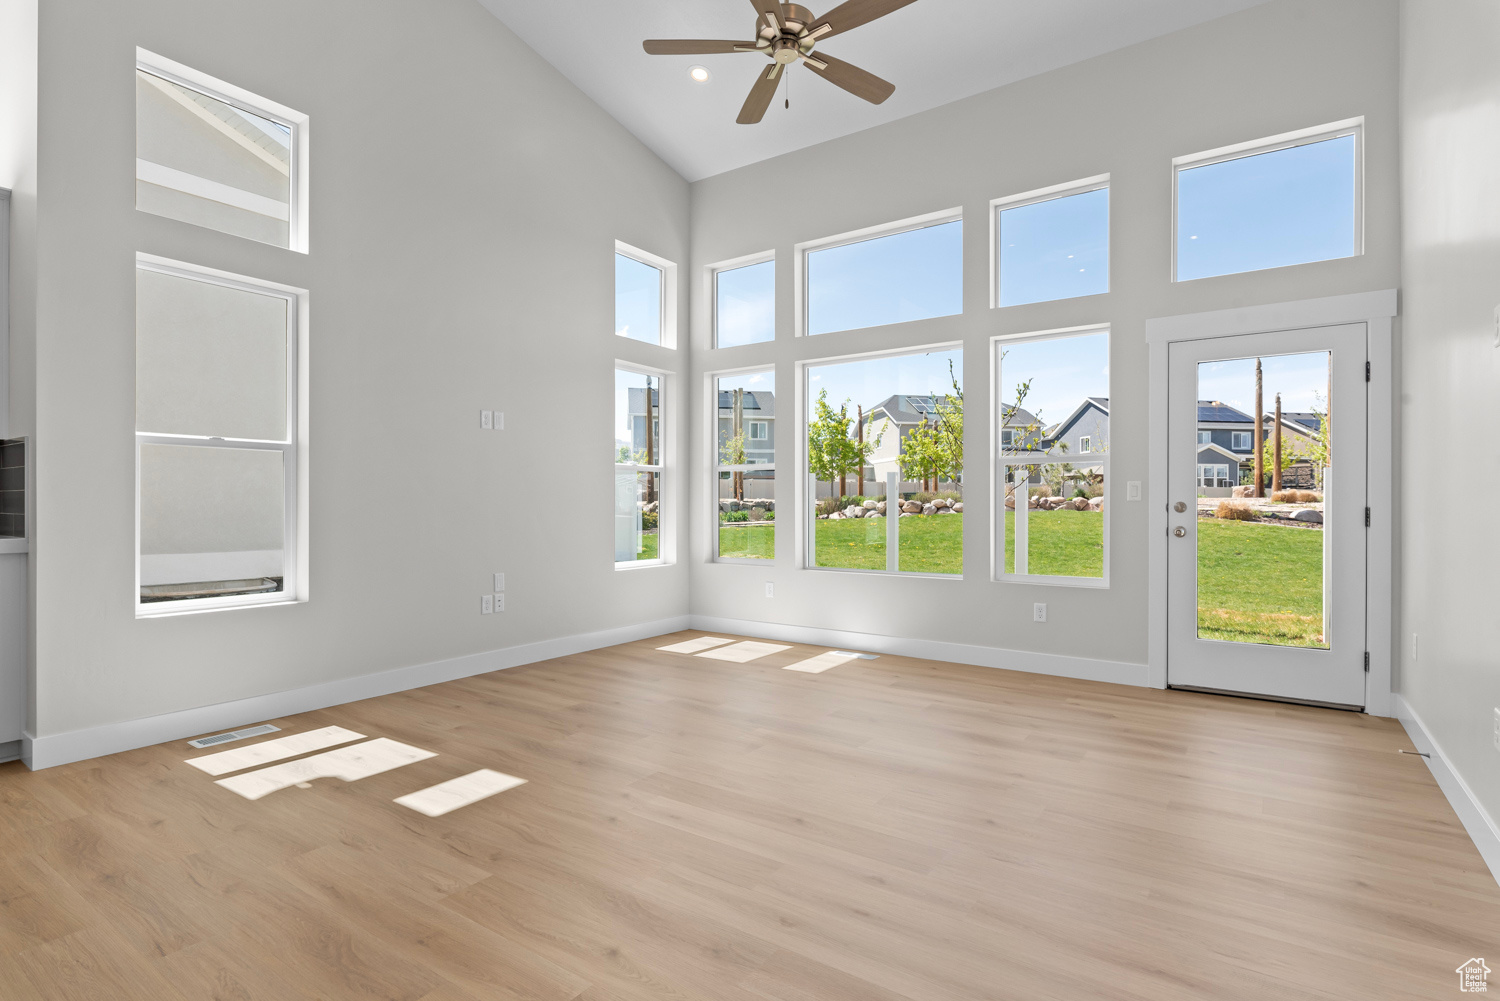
694	829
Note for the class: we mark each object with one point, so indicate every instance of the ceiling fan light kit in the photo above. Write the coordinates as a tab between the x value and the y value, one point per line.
786	33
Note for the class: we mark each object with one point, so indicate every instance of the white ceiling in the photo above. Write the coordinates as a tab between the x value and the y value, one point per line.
934	51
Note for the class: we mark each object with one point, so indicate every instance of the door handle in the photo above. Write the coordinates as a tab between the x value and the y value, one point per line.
1179	531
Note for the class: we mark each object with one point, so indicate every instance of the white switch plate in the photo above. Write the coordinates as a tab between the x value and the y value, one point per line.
1497	326
499	602
1039	611
499	582
487	605
770	590
1497	729
1413	646
486	419
1133	490
499	420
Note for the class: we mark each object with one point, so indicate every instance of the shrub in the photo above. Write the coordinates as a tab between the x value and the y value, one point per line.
1297	496
770	516
735	516
649	520
1234	510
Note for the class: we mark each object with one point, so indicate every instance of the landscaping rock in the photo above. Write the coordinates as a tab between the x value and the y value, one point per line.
870	505
929	509
833	517
907	514
959	507
1308	515
940	502
1247	491
854	512
911	507
1010	502
1096	504
880	507
945	510
1080	503
1034	502
875	514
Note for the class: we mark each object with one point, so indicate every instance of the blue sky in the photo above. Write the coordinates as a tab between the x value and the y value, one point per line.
746	303
1062	370
1300	379
1056	249
637	300
1291	206
914	275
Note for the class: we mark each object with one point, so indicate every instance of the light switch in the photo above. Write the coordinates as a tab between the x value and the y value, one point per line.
499	420
1133	490
499	582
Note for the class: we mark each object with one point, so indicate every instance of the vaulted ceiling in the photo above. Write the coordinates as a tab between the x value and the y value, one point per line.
934	51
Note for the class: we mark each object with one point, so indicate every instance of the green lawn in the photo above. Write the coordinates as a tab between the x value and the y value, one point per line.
748	542
1059	543
1260	583
929	543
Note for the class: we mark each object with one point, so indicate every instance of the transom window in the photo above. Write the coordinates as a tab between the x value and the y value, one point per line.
216	438
894	274
1053	243
1290	200
745	304
645	296
211	154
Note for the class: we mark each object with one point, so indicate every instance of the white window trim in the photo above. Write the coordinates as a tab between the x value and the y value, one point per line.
666	551
765	428
1084	441
294	449
667	336
1235	437
999	463
1287	140
711	395
997	205
711	290
299	124
805	535
1205	441
801	250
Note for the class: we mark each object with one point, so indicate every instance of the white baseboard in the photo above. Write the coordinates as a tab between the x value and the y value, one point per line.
1475	818
1057	665
78	745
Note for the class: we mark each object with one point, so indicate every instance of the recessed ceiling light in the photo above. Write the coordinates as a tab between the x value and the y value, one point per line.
699	73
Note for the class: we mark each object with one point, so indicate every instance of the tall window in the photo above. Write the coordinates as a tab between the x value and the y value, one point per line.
216	438
213	155
745	465
745	304
912	273
1278	202
1053	466
1053	244
638	467
885	463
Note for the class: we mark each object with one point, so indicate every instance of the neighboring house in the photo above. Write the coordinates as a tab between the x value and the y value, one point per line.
758	411
891	420
1226	447
1083	432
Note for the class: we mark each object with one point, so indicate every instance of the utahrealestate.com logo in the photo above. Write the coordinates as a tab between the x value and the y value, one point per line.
1474	976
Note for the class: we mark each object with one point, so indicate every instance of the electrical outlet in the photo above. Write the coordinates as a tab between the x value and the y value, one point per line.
487	605
499	582
1039	612
486	419
1132	490
770	590
499	602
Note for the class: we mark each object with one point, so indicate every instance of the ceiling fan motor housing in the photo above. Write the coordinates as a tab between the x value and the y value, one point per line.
793	19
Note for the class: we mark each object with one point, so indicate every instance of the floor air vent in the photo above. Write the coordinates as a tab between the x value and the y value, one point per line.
224	738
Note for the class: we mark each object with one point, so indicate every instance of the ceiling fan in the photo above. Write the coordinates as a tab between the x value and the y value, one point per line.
786	33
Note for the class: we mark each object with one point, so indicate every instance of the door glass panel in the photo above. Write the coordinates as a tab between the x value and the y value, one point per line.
1263	549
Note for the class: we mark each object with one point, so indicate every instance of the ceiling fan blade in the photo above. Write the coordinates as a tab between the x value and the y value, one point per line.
860	83
770	10
852	14
760	95
693	46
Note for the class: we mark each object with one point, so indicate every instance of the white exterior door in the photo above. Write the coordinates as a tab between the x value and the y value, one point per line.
1268	598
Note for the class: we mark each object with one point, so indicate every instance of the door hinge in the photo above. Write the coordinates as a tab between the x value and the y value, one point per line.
1367	371
1367	517
1367	662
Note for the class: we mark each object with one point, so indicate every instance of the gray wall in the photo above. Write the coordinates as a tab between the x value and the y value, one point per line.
1451	238
1272	69
465	203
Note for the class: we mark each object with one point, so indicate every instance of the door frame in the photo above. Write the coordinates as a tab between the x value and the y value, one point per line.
1374	309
